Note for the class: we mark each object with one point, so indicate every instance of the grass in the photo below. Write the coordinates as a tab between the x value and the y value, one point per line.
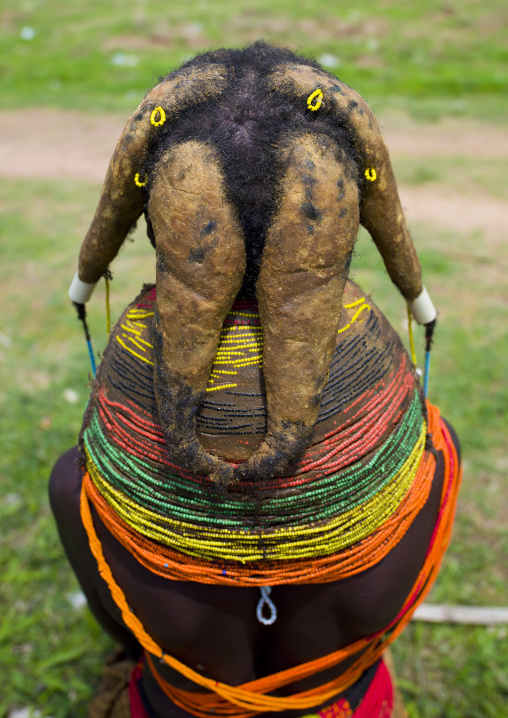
104	56
50	651
465	173
428	59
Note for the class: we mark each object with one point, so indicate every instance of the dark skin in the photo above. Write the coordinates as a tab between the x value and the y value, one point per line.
213	629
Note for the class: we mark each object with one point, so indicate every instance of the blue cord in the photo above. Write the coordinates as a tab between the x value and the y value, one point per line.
429	332
80	308
92	360
426	374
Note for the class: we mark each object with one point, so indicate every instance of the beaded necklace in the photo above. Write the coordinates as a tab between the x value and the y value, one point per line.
348	495
343	490
134	476
316	534
248	699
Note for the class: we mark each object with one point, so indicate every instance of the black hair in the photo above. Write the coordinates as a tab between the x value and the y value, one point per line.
248	124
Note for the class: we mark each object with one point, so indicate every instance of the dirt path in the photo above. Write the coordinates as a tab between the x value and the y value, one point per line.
78	147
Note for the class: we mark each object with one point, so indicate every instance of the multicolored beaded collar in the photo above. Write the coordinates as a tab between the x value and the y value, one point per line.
366	465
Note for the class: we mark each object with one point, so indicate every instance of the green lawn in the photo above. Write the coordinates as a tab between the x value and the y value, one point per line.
427	59
430	58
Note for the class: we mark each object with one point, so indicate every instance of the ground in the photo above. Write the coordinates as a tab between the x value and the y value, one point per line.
71	145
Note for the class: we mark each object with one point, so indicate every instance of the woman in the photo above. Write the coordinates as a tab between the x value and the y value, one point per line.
262	494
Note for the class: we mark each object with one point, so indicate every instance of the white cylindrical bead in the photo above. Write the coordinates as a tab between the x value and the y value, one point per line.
422	308
79	291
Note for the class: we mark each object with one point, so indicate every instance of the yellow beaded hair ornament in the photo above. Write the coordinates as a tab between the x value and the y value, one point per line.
371	174
314	100
411	337
138	181
159	111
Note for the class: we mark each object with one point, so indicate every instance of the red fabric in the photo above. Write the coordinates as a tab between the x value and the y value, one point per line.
378	700
137	707
376	703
